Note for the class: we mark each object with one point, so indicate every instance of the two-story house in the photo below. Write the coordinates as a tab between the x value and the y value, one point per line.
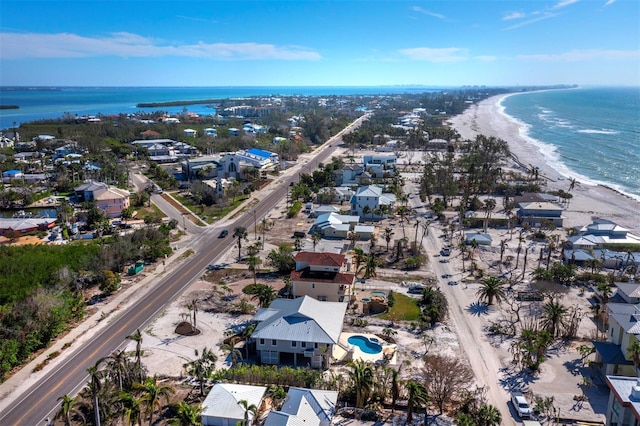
323	276
534	213
302	330
372	201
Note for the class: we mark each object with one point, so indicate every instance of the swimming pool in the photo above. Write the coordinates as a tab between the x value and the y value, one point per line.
365	344
378	294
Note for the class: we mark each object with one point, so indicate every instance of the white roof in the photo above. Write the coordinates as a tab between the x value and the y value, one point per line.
304	319
305	407
222	401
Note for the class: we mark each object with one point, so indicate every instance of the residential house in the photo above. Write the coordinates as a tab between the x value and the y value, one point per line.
190	133
623	407
480	238
308	407
111	200
234	131
209	131
298	330
623	328
333	225
534	213
379	164
323	276
373	201
598	241
25	225
222	405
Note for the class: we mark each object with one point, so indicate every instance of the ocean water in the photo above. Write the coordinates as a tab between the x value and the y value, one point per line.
591	134
48	103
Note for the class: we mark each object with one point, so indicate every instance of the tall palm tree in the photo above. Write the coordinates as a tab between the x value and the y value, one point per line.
248	408
240	232
254	263
489	205
359	257
66	409
202	367
417	398
491	289
152	395
137	337
370	265
187	414
315	239
554	316
118	366
388	232
362	377
94	387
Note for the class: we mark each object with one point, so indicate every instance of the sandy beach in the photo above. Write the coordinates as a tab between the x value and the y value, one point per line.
589	201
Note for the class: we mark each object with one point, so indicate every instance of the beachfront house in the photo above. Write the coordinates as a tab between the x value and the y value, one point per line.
333	225
298	331
222	405
622	330
323	276
308	407
536	213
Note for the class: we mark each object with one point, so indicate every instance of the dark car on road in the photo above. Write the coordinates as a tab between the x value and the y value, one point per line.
223	234
416	289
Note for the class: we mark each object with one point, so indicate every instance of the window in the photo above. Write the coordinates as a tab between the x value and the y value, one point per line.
303	344
315	345
313	285
262	341
294	344
274	342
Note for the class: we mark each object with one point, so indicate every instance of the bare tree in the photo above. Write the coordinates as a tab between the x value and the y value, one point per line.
445	378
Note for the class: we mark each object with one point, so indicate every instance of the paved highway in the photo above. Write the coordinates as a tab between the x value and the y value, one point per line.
37	403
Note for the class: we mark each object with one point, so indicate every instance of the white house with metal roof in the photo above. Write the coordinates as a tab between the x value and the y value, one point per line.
623	407
308	407
371	198
222	405
298	330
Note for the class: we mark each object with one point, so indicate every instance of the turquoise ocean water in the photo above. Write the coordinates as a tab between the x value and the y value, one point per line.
590	133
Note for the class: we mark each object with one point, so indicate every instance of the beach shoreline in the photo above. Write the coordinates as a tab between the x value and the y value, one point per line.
589	200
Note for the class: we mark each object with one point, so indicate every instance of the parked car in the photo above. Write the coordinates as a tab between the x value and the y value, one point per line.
521	405
416	289
223	234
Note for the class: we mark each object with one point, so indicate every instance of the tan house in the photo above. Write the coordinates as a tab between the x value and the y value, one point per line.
111	200
323	276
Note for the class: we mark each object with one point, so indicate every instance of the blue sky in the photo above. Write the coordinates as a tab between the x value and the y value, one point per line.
319	43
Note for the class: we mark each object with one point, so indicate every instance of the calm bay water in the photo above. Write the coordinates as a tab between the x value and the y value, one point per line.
43	103
591	134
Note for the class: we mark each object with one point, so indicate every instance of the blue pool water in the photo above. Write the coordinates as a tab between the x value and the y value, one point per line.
365	345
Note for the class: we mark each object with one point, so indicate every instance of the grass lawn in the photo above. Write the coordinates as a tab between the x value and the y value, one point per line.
211	213
405	308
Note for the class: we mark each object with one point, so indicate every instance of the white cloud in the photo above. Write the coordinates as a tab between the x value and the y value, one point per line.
584	55
513	15
65	45
538	18
609	2
447	54
564	3
428	13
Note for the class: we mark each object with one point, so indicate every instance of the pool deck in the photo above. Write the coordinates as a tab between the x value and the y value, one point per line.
340	353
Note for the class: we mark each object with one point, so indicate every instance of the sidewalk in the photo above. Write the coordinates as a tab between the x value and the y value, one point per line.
14	386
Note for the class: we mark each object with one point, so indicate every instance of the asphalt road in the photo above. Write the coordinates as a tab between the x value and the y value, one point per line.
37	403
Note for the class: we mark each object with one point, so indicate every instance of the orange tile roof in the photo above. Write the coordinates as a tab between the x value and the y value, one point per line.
320	259
323	277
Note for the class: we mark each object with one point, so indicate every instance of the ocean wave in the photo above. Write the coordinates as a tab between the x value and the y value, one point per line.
599	132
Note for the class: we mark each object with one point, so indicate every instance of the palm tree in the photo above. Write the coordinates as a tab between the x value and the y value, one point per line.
137	337
202	367
265	294
489	205
388	232
232	352
553	317
152	394
366	210
248	408
417	398
633	350
254	263
395	387
362	376
131	412
488	415
491	289
118	366
315	239
389	332
240	232
65	410
370	265
94	387
187	414
359	257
